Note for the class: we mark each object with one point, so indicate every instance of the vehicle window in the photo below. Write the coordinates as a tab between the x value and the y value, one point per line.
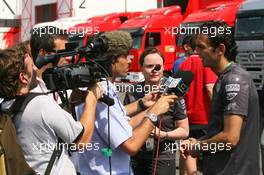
153	39
250	27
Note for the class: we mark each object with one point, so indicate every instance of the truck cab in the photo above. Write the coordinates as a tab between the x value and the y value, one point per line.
154	27
219	11
101	23
249	36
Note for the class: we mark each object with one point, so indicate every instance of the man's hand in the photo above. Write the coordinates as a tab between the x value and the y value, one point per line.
96	90
163	104
163	134
149	99
190	147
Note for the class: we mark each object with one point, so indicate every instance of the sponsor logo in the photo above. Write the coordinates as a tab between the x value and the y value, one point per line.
231	95
231	106
232	88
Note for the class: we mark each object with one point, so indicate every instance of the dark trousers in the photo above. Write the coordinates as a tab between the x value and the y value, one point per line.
144	167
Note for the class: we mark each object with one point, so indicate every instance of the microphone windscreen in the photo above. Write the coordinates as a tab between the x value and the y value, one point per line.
119	42
186	76
40	61
43	60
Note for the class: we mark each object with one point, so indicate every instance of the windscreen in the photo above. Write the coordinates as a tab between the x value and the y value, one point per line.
250	28
137	36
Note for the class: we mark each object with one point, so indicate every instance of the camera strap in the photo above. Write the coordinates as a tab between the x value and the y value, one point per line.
55	155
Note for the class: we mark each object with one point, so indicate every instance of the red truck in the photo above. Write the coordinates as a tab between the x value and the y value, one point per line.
161	28
220	11
101	23
151	29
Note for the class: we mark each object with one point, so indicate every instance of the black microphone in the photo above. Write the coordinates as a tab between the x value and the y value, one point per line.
179	84
107	100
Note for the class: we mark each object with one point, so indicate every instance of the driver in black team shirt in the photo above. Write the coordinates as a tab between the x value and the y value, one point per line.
231	145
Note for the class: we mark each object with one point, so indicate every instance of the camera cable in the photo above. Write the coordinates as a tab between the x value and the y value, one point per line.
156	157
107	152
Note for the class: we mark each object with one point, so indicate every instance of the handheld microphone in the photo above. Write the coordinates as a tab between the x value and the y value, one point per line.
179	84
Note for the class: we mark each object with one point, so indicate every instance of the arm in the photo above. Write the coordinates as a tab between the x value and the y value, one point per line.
231	132
230	137
181	132
145	126
137	119
134	107
88	116
140	135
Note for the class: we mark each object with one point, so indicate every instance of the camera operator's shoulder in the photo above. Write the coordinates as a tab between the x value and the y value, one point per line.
43	100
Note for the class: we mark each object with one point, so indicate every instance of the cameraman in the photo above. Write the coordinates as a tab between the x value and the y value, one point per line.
42	122
126	135
45	41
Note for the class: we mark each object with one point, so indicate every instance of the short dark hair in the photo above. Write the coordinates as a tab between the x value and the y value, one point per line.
11	65
189	40
226	37
147	51
43	38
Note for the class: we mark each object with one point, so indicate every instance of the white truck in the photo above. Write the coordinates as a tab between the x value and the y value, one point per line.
249	35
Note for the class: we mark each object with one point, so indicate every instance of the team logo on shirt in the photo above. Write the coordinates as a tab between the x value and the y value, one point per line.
231	95
231	106
232	91
232	87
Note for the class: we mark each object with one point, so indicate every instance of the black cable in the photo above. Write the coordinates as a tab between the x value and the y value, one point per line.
67	99
153	150
108	120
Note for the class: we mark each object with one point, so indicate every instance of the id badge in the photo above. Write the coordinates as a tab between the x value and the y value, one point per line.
150	144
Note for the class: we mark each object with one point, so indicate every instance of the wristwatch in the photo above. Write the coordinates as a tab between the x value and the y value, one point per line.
153	118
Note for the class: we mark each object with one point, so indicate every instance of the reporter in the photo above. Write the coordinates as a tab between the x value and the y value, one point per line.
126	135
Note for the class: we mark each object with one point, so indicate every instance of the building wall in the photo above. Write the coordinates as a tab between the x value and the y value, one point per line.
38	3
89	8
6	13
